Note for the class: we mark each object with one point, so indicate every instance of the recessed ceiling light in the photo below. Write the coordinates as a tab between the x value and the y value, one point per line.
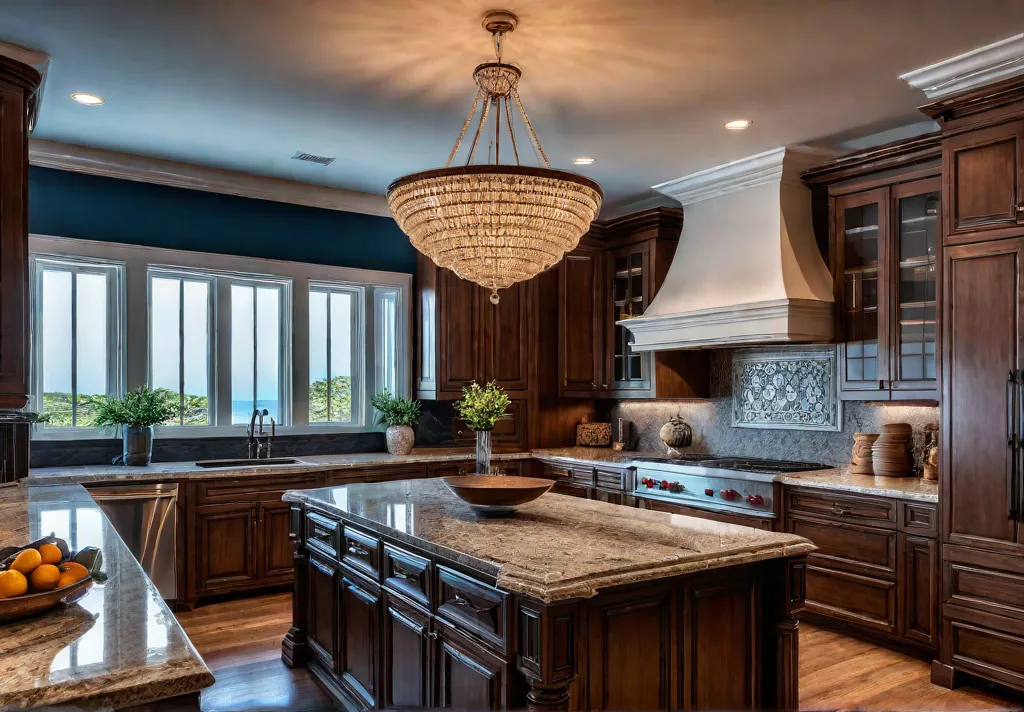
88	99
738	124
583	161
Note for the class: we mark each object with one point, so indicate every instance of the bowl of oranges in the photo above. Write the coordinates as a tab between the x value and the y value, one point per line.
43	575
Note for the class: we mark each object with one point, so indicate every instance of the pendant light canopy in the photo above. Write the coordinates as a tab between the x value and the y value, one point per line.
495	224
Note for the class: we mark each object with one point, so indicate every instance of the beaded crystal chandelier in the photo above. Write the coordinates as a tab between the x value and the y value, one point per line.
495	224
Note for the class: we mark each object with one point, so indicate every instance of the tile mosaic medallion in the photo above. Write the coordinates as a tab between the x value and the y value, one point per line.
791	390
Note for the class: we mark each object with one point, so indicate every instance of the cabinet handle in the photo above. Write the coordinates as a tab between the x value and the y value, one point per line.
460	600
358	550
1020	208
432	635
1012	439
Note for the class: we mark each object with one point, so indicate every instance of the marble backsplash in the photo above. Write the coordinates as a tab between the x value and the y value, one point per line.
711	421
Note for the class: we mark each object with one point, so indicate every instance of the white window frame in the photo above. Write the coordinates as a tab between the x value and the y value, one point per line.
76	264
360	374
297	278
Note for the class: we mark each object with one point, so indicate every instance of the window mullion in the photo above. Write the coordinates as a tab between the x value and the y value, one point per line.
181	351
74	348
329	376
255	346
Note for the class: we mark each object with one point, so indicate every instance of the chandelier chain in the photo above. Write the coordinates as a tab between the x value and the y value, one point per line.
465	125
479	130
511	132
529	127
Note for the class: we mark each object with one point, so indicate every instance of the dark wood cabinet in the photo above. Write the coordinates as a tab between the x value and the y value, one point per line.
468	677
458	332
980	467
274	547
359	646
613	275
322	611
226	546
984	183
407	652
919	599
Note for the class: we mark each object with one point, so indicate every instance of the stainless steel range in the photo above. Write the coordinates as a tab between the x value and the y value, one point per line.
739	485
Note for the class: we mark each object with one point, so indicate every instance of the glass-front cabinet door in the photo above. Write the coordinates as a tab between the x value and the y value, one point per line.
917	240
862	227
631	268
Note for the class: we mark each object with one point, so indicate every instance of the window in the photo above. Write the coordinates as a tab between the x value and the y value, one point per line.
334	353
223	335
180	340
77	337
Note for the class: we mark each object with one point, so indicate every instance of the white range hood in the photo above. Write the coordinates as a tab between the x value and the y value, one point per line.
747	269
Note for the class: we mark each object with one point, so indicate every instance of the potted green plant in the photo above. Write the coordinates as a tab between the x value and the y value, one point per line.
135	415
481	408
399	414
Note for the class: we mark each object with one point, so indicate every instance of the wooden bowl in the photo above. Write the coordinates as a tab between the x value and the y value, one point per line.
18	607
493	495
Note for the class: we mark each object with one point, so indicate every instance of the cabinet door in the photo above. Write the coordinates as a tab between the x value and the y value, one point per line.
631	293
918	582
14	248
981	338
468	677
406	656
458	332
226	545
506	336
983	183
861	231
322	611
916	246
359	646
581	325
275	545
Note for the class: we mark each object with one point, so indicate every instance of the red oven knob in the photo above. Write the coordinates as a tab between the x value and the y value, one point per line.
728	494
709	492
664	485
756	500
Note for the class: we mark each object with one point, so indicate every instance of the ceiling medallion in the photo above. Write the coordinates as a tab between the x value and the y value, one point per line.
495	224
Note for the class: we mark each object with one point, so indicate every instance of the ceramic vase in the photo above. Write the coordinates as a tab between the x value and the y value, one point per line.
400	439
138	445
483	452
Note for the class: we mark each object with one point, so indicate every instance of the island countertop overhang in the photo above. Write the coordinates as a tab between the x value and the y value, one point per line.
556	548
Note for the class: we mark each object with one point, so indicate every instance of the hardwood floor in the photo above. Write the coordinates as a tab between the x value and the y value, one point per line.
241	642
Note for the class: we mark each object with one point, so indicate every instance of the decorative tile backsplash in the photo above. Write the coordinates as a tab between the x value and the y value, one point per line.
793	390
713	431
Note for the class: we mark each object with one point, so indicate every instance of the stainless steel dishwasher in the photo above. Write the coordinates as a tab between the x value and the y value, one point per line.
145	515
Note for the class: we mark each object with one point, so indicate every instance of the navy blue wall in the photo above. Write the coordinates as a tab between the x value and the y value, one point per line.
69	204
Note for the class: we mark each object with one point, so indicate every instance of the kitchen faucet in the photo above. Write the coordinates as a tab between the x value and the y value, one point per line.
259	449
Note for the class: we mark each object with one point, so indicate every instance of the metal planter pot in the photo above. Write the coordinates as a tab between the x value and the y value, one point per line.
138	445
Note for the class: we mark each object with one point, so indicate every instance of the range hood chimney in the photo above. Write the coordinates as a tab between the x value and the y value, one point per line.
747	269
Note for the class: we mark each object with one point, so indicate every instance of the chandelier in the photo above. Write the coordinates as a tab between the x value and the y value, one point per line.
495	224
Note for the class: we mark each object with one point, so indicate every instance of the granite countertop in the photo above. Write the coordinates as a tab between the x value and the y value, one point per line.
840	479
189	471
556	547
593	455
118	645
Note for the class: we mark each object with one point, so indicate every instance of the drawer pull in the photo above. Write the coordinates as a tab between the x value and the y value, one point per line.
357	550
322	533
464	602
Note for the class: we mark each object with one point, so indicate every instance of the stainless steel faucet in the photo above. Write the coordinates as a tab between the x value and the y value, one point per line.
259	443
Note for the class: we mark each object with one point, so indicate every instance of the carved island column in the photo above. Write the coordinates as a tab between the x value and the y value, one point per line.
547	656
19	84
295	647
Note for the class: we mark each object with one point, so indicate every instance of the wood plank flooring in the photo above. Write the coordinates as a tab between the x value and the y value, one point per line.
241	642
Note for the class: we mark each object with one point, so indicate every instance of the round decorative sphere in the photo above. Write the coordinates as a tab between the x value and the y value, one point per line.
676	433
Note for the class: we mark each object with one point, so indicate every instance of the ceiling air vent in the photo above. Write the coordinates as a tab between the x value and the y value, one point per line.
311	158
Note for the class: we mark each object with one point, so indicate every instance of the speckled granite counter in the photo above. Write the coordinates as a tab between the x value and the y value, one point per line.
189	471
117	646
841	480
556	547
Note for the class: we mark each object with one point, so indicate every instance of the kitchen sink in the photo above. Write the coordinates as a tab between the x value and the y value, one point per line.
248	463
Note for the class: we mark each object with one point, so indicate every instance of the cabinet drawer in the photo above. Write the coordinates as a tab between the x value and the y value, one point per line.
473	607
361	551
983	581
558	472
407	574
610	478
991	654
876	511
395	472
451	469
858	599
851	547
919	519
252	489
582	475
323	534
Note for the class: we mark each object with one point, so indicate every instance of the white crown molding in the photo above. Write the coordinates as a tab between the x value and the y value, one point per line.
775	321
981	66
127	166
767	167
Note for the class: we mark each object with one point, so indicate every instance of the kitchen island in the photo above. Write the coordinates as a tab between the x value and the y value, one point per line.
406	598
118	646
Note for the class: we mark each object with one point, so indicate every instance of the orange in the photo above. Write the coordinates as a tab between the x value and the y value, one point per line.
12	583
50	553
27	561
71	572
45	577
